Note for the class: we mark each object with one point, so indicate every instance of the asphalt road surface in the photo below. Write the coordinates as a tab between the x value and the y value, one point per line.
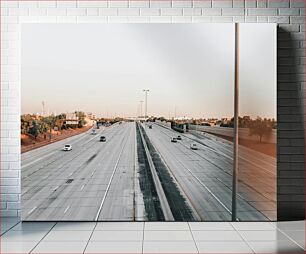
94	181
205	175
99	181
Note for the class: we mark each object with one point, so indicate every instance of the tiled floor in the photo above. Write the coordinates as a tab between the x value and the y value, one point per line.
152	237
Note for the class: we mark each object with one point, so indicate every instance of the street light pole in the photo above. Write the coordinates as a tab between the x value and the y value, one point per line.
146	101
236	122
141	108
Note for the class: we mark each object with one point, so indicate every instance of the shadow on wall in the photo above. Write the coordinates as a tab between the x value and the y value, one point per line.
290	130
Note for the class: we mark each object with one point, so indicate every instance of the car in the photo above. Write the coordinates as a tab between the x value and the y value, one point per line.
93	132
179	137
102	139
174	140
150	126
193	146
67	147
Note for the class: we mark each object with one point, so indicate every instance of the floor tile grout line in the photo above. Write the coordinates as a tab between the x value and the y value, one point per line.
244	240
42	238
10	228
292	230
273	227
290	238
193	237
93	230
273	224
143	232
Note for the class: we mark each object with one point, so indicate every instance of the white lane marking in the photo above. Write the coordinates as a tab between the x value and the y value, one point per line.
30	163
66	209
82	187
210	192
110	181
74	139
32	210
246	159
94	137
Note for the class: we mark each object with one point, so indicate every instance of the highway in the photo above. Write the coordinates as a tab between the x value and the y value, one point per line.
138	174
205	175
94	181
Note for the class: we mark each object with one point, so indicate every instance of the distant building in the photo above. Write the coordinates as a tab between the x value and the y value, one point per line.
91	116
181	118
71	119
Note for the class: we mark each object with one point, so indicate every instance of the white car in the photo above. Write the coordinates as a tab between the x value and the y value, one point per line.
193	146
67	147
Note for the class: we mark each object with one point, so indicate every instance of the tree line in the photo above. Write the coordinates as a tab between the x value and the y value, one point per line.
34	125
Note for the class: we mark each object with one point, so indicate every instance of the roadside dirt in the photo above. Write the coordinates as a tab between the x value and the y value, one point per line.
262	147
29	143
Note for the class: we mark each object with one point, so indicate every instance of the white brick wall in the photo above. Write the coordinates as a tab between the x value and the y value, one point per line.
288	13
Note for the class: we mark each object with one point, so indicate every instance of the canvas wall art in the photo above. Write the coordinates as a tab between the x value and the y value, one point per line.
135	122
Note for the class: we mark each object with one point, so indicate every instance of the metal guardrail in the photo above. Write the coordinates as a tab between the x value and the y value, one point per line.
159	189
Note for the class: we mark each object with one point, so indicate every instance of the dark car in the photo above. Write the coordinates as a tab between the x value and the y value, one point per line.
150	126
179	138
102	139
174	140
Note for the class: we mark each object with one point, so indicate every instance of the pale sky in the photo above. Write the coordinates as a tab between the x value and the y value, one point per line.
103	68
